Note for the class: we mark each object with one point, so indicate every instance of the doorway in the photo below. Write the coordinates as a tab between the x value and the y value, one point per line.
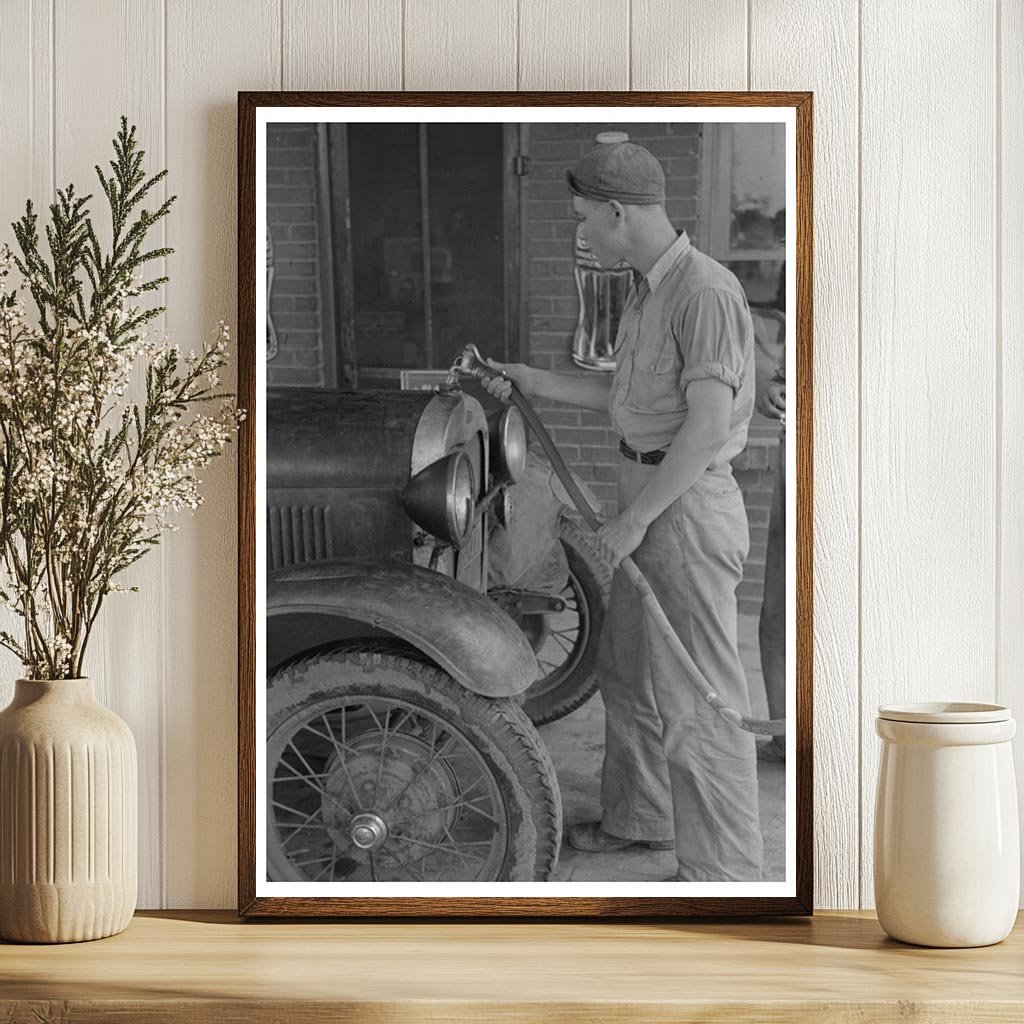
425	238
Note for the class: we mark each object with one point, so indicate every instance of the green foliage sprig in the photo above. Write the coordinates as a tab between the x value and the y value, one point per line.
89	478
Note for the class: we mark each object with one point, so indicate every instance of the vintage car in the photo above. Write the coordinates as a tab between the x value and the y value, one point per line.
398	748
542	553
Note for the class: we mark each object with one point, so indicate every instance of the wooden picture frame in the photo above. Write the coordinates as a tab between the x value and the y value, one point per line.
258	896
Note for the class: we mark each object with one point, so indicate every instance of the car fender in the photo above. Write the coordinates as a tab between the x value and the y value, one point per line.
459	629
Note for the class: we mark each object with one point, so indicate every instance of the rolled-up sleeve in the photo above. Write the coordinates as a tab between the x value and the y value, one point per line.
714	335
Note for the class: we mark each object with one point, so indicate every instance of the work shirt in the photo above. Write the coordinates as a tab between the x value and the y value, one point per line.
686	320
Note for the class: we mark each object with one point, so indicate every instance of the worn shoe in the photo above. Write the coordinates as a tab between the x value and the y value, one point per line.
591	838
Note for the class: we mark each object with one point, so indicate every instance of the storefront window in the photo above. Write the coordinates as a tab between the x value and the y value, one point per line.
757	187
744	218
744	212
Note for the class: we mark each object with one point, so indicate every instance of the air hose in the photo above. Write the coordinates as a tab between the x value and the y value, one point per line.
471	364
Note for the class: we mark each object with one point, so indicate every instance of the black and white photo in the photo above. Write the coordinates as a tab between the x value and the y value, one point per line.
524	580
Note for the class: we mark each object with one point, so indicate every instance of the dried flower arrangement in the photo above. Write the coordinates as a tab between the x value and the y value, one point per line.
89	477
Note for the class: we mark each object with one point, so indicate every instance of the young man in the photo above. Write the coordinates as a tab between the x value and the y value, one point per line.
681	398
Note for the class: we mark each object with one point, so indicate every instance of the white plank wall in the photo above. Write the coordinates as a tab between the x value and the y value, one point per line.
701	44
130	34
1009	263
572	44
928	412
466	45
26	105
919	305
226	46
26	160
832	75
348	44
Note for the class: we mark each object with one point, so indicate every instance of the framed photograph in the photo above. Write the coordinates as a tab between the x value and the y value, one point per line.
525	614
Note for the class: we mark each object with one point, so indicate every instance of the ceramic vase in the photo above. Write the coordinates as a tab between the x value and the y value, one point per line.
68	812
947	847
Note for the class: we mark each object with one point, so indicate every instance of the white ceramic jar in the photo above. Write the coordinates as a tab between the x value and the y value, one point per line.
947	847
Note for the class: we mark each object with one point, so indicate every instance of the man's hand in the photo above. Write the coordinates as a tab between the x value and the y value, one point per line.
620	537
512	373
772	400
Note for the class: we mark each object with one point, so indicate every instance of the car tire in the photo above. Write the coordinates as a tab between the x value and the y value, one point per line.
366	743
562	691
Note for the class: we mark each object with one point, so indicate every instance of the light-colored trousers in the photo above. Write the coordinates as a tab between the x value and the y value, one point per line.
672	766
772	624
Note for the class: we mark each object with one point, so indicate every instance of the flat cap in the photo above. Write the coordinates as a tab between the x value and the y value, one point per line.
619	170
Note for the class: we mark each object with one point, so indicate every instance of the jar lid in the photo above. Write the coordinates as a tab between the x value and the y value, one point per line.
945	712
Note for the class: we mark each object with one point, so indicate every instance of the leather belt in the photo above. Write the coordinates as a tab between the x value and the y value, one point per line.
647	458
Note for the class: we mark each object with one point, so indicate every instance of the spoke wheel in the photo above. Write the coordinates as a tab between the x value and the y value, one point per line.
566	642
383	768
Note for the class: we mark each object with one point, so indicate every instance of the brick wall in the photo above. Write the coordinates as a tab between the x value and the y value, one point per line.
292	216
584	438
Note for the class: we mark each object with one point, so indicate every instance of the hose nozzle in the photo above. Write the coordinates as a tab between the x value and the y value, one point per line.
470	363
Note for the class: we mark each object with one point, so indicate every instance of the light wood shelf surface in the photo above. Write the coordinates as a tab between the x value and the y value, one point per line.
208	966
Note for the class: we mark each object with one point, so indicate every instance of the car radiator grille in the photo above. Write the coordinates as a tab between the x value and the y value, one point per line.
298	533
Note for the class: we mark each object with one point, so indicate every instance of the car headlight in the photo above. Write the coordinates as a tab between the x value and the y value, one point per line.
459	498
508	446
440	498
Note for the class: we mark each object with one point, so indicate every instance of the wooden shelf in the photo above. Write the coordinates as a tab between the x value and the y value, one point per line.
208	966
